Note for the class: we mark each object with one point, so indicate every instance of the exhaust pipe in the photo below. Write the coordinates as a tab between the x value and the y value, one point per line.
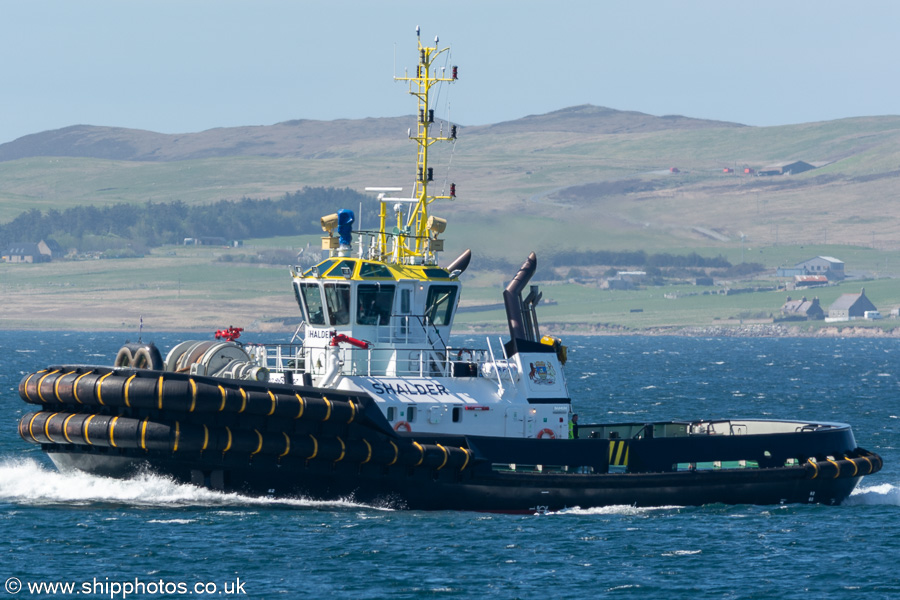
512	299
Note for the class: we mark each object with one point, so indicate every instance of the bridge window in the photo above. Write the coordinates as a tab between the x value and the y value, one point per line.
341	269
320	269
374	271
441	302
296	287
337	298
405	302
373	304
312	298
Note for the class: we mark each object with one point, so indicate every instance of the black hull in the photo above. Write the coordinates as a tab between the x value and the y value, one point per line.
476	490
293	441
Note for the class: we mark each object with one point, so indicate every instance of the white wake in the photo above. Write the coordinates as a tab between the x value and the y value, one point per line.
884	493
27	482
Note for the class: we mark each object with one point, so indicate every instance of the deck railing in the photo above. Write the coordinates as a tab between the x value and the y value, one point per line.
406	361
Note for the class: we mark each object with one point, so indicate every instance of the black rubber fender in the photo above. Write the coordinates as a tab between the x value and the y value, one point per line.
140	356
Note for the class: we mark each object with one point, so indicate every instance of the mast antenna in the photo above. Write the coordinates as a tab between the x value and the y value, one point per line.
411	237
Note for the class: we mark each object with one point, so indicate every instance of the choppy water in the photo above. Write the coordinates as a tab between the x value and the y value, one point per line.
114	535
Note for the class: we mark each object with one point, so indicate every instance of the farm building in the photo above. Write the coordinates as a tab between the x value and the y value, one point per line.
624	280
805	281
27	252
791	168
808	309
851	306
828	266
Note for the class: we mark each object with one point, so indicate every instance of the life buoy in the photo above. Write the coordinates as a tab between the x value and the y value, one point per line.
402	425
548	432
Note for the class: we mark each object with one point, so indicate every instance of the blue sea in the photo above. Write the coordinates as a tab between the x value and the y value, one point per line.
153	538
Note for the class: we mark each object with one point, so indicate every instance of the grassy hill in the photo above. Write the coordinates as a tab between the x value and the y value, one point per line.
585	178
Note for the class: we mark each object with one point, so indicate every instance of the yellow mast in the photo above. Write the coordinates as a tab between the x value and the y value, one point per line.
412	237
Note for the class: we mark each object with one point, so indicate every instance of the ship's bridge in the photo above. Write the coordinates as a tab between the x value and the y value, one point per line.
393	307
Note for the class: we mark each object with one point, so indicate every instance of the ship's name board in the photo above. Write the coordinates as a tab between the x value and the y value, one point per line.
320	333
410	389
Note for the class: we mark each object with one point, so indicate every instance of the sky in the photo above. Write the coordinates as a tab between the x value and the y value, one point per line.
177	66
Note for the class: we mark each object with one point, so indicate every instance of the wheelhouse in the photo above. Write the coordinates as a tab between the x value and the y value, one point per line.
357	296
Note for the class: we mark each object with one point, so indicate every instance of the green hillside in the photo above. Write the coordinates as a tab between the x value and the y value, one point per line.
583	178
557	185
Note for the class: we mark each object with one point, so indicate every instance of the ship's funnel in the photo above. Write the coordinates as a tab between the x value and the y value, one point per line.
461	263
512	298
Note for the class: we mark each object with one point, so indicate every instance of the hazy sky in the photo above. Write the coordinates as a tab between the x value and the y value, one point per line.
187	65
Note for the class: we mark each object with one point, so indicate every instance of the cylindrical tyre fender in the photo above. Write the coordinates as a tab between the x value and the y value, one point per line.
235	400
244	442
273	443
84	389
156	436
46	387
189	438
385	452
827	469
72	428
142	392
357	451
124	432
65	383
95	430
28	388
259	403
111	389
342	411
302	445
209	397
333	449
317	409
459	458
54	429
436	456
31	427
288	405
412	454
176	395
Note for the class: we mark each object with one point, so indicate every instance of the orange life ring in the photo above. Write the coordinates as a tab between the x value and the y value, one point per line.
402	425
549	432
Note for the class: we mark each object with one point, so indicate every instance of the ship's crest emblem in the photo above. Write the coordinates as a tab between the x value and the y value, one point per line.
542	373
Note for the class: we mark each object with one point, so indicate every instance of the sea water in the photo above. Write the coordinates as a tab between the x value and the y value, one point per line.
152	538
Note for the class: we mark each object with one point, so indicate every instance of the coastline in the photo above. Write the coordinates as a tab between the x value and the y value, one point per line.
737	330
208	325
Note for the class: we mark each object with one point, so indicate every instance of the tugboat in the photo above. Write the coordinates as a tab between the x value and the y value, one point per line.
374	404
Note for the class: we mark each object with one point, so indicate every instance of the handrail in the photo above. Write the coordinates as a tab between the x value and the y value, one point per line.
494	362
279	358
506	364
